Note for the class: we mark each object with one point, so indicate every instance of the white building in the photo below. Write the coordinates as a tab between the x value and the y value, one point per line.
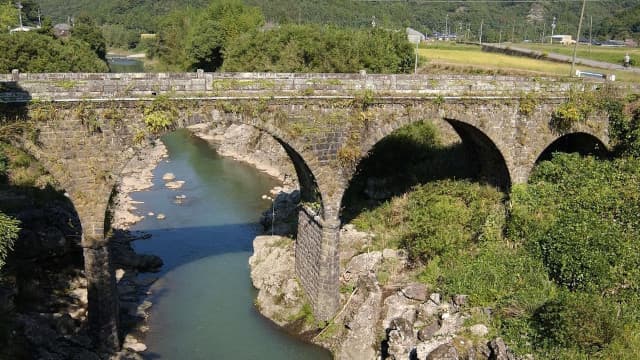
562	39
415	36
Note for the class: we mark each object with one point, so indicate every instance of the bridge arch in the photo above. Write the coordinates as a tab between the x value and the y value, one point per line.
494	167
88	163
90	209
582	142
482	150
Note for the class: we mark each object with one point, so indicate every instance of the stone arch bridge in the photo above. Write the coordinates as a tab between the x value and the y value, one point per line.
84	128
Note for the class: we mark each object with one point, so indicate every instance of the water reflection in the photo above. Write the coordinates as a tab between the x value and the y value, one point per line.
119	64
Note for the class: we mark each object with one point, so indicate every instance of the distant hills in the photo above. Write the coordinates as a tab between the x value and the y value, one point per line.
511	20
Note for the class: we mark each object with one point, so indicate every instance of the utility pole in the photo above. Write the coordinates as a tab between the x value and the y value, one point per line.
446	26
590	33
481	23
500	38
553	28
19	6
415	70
544	29
513	32
575	46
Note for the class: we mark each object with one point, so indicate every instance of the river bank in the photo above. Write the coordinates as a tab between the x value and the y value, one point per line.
384	313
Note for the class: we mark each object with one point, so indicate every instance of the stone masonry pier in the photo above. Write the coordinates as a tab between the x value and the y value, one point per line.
84	129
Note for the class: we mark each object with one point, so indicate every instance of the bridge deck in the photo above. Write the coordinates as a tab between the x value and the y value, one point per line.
25	87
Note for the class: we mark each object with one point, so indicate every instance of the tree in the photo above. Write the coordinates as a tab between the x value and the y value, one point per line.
8	15
85	29
315	48
34	52
222	21
169	46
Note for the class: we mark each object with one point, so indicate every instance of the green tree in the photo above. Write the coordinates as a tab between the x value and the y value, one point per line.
220	23
34	52
314	48
169	46
85	29
8	16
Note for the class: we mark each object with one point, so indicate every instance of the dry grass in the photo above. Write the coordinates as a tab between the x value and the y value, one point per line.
614	55
470	59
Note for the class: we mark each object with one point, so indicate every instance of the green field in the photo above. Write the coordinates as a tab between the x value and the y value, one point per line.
452	57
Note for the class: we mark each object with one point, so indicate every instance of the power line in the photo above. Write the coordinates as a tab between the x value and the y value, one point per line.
481	1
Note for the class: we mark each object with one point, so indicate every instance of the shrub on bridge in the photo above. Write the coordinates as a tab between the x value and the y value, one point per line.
160	115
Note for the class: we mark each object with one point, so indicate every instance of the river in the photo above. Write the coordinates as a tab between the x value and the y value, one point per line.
203	301
121	64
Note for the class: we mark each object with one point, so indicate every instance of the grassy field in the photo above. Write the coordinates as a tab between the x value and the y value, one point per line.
471	59
607	54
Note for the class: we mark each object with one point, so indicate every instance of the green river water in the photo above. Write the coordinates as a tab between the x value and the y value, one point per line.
203	301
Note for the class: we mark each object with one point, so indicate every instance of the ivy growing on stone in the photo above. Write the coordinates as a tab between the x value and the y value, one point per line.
160	114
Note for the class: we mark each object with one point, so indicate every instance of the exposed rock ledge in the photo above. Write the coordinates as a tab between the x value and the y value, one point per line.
248	144
412	321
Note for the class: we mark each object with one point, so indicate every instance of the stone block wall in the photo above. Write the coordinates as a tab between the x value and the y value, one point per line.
199	84
308	251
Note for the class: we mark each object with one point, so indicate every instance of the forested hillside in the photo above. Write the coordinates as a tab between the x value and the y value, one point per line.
123	20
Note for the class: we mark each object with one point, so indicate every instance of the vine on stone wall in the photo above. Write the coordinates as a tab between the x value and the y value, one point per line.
160	115
350	153
579	106
88	116
528	103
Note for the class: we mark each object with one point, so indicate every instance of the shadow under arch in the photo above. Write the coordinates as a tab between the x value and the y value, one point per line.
415	154
309	191
580	142
485	153
47	256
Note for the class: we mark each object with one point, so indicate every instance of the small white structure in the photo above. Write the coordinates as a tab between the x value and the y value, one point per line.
415	36
21	28
62	30
562	39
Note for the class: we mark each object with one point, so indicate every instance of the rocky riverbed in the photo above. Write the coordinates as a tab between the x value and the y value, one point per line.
248	144
385	314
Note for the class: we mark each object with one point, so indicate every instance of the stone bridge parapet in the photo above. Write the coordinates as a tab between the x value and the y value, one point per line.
68	86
